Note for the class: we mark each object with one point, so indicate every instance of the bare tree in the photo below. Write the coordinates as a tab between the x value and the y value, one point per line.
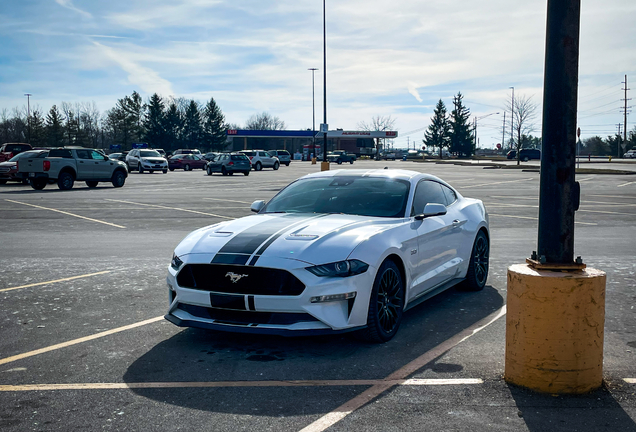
264	121
378	123
524	113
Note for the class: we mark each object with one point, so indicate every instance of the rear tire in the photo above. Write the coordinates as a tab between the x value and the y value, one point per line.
38	184
223	171
339	162
92	184
386	304
478	266
118	179
171	169
246	173
287	164
3	181
65	181
258	166
351	161
187	167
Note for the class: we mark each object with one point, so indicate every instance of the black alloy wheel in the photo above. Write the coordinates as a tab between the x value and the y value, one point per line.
118	179
65	181
386	304
478	266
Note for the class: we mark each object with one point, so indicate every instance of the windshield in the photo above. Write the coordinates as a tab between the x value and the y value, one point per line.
149	153
363	196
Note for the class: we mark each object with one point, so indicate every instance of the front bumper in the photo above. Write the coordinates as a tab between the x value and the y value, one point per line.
275	314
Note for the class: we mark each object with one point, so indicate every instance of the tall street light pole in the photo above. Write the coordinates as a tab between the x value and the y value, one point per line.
324	86
481	118
512	118
313	110
28	95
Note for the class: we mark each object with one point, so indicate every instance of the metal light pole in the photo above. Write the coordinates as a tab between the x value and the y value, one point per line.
28	95
512	119
313	110
481	118
324	87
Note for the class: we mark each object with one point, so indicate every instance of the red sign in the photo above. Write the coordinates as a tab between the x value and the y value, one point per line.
498	146
391	134
232	132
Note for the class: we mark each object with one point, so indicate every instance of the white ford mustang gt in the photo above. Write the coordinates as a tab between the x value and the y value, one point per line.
333	251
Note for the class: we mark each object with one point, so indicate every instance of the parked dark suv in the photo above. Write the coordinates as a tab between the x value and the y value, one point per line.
525	154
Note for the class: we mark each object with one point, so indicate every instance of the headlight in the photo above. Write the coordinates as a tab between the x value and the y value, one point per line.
176	262
339	269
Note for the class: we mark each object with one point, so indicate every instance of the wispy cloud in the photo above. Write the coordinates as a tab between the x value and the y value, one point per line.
69	5
412	88
147	79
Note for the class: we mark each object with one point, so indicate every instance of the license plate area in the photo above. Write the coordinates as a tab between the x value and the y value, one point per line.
227	301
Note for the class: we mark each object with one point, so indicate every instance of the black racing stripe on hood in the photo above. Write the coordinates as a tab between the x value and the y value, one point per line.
244	244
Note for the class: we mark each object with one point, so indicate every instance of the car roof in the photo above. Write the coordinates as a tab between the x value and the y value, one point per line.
388	173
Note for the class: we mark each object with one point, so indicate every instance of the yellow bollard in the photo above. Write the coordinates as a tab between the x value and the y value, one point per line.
554	329
610	158
313	161
324	166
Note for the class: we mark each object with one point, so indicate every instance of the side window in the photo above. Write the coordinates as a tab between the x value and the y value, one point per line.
427	192
83	154
97	155
450	194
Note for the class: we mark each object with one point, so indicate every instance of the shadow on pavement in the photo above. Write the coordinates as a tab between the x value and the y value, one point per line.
592	412
195	355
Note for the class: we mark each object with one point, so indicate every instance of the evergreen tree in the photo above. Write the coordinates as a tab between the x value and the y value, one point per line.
214	128
38	131
461	137
55	132
192	129
173	127
153	123
437	134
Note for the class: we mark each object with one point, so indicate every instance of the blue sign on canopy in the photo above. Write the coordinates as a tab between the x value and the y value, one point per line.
139	145
115	146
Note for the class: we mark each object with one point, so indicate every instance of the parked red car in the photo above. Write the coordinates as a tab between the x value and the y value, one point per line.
187	162
8	150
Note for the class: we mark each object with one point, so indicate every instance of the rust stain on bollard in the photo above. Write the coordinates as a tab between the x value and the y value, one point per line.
554	329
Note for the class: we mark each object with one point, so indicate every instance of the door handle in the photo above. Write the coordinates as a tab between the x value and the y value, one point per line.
457	223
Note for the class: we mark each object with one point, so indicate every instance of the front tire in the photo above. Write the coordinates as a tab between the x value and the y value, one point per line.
339	162
140	169
209	171
187	167
276	166
386	304
65	181
351	161
223	171
478	266
165	171
118	179
92	184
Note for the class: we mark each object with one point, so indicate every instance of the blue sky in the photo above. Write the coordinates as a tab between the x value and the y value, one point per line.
384	57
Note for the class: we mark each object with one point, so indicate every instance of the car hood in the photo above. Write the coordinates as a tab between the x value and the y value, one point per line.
311	238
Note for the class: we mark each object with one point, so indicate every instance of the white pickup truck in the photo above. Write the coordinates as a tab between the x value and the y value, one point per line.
69	164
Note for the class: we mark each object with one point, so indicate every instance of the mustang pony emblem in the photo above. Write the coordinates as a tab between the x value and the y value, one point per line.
235	277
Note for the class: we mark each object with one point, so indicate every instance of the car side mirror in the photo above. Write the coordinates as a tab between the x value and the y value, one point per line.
257	206
431	209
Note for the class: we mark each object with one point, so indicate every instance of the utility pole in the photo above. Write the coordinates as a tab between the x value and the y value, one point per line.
324	87
625	113
512	119
313	112
28	95
503	133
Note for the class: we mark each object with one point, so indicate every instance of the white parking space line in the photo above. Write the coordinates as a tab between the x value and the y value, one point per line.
496	183
55	281
347	408
67	213
534	218
585	179
230	384
630	380
614	196
626	184
78	341
536	206
170	208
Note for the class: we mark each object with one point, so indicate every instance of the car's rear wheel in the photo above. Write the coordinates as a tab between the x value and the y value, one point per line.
478	265
339	162
92	184
187	167
258	166
351	161
223	171
246	173
287	164
37	184
230	172
118	179
386	304
525	159
65	181
171	169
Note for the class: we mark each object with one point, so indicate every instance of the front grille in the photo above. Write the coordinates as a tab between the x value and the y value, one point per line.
245	318
253	280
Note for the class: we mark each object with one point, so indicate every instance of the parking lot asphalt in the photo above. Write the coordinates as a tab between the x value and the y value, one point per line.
83	342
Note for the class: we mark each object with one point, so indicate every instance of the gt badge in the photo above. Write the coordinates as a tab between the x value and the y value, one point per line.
235	277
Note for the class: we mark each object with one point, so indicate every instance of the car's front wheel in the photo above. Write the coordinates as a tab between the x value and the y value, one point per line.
386	304
276	166
186	167
140	169
92	184
118	179
223	171
478	265
209	171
